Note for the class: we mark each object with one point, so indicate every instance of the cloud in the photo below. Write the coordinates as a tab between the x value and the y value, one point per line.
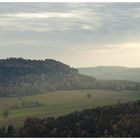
46	20
70	31
44	15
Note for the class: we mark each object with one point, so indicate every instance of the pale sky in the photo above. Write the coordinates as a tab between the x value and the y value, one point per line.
78	34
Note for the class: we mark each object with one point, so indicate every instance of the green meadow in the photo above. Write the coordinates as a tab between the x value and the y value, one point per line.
60	103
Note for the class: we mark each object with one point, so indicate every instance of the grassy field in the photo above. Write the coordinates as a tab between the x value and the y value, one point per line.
62	102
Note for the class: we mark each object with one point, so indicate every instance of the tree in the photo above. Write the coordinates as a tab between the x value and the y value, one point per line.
10	130
5	113
2	131
89	95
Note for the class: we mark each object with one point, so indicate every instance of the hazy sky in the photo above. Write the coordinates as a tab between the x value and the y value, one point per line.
78	34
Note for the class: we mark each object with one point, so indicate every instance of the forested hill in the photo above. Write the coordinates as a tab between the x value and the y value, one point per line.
112	72
14	67
21	77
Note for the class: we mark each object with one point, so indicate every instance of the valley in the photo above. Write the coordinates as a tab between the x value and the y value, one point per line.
58	103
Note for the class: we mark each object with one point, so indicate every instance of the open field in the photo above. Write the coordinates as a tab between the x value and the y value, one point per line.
62	102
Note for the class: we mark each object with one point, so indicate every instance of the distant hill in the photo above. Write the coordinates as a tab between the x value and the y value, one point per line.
112	72
12	67
21	77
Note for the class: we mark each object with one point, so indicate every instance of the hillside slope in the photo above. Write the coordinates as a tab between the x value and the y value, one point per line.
121	120
112	72
21	77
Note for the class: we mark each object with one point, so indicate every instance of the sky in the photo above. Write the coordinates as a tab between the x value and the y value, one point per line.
78	34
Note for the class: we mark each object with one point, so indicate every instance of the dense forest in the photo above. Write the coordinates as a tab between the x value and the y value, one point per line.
20	77
120	120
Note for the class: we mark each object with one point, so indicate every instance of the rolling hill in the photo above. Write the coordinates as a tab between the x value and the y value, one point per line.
21	77
112	72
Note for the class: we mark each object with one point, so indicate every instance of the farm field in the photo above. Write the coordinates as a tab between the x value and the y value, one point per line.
60	103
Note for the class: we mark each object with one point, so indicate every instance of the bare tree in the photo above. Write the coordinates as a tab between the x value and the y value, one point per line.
89	95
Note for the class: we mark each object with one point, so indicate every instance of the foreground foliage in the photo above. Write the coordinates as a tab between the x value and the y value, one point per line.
121	120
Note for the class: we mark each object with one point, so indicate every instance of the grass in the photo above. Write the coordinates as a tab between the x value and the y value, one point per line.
62	102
